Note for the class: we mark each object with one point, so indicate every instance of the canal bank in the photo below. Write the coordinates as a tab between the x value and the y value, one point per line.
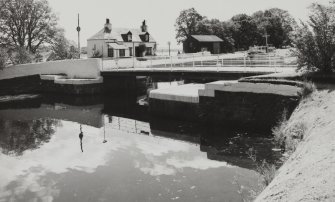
309	173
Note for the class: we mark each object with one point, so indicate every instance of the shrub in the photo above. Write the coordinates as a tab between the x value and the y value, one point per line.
278	130
96	54
315	41
287	136
265	169
307	89
21	56
3	58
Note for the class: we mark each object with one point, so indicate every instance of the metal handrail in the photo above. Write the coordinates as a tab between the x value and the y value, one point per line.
219	60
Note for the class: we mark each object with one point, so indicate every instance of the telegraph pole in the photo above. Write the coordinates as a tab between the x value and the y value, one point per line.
78	30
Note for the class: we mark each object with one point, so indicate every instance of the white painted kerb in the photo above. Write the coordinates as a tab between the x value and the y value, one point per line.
83	69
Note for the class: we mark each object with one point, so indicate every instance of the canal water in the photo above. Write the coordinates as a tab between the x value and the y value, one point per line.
56	148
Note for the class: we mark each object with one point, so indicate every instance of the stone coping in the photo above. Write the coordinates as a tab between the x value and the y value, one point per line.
262	88
184	93
63	80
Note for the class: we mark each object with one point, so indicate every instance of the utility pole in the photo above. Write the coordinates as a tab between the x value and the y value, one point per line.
78	30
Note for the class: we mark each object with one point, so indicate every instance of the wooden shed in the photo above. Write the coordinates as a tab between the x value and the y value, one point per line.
200	43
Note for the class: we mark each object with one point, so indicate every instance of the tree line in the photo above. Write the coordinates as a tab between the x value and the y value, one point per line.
29	28
241	31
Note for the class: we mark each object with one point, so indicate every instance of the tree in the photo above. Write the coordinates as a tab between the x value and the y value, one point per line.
221	29
26	24
245	31
18	136
315	41
277	23
186	24
62	49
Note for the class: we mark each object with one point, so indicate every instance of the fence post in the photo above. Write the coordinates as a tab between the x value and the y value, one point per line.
151	62
193	59
244	61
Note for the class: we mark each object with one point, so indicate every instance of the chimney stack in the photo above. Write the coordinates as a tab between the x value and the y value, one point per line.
144	27
108	26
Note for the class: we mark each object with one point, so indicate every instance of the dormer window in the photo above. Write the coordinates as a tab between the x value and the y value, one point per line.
129	36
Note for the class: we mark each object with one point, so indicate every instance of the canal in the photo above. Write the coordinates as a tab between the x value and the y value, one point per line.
109	148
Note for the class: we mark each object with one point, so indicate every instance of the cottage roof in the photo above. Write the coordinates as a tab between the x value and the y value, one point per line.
117	34
207	38
116	46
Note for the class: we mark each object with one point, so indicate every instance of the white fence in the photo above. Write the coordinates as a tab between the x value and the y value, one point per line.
203	61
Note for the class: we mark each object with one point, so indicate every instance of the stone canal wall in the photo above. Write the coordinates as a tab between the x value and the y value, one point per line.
50	84
247	105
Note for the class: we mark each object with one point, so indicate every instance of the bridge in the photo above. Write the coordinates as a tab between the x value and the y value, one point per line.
198	65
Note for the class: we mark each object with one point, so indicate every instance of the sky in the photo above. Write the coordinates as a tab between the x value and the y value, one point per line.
160	15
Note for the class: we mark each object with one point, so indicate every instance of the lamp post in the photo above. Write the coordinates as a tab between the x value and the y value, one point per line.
78	30
169	43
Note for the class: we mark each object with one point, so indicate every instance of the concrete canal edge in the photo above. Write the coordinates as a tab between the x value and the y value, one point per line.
51	84
309	173
254	106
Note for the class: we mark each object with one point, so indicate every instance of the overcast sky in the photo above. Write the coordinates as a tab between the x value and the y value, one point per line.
160	14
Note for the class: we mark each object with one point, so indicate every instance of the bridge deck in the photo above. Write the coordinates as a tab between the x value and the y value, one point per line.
196	71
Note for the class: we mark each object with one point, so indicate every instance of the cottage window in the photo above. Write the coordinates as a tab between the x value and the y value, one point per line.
110	52
122	52
147	37
129	37
149	51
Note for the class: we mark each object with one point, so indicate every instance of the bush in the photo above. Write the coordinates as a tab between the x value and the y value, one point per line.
96	54
307	89
287	137
265	169
278	130
3	58
21	56
315	41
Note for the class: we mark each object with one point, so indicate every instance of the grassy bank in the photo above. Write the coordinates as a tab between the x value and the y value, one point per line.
309	172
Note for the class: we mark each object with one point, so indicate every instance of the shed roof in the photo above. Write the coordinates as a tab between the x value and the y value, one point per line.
116	34
207	38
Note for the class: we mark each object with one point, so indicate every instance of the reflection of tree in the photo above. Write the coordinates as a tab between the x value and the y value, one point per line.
18	136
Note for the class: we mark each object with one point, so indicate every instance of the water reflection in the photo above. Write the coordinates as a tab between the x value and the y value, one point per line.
81	135
18	136
144	159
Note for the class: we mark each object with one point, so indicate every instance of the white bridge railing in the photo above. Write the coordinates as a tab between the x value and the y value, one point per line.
197	61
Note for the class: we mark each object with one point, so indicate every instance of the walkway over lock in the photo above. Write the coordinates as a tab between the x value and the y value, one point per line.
198	64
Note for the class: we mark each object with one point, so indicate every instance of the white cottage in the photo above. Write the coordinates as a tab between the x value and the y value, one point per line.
121	42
